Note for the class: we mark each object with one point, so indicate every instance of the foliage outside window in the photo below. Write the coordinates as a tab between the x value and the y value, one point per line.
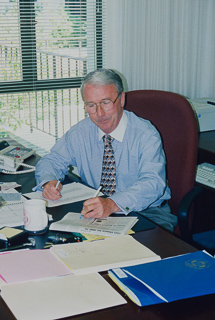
46	47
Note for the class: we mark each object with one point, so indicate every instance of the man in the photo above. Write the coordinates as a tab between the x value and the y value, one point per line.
138	179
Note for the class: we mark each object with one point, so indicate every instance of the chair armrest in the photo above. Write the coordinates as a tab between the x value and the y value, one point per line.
183	212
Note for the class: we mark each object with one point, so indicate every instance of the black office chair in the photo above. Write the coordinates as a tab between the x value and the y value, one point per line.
201	240
174	118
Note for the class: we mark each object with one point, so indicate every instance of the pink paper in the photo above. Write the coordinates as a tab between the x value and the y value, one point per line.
19	266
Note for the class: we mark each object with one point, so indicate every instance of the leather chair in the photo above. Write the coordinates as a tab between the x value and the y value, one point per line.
175	120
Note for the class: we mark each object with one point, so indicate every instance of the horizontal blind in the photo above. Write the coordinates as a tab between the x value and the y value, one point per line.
46	48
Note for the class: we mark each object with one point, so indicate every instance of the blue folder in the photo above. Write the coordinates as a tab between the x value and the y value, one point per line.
167	280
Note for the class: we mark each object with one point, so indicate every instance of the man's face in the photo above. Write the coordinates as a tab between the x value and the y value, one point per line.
107	120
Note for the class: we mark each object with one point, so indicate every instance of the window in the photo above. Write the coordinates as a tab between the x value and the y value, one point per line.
46	48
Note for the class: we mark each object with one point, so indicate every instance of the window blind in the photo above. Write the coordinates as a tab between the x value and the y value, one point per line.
46	48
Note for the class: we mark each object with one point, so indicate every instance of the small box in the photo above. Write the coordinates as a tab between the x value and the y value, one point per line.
11	237
205	113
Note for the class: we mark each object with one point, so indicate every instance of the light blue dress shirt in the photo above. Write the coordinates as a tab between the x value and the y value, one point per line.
139	157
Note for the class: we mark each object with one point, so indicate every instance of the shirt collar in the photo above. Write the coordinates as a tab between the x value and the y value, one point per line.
119	132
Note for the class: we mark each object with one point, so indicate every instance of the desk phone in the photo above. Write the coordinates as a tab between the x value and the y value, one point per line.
11	157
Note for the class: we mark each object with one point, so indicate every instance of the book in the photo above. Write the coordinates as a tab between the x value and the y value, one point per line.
170	279
102	255
60	297
110	226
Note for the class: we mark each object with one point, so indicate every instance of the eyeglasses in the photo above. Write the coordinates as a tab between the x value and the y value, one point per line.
105	104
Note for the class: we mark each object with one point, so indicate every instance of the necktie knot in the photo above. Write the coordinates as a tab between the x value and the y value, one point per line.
107	139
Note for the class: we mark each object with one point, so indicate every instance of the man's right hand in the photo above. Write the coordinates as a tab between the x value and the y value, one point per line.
49	191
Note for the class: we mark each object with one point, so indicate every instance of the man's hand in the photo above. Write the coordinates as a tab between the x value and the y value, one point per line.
99	208
49	191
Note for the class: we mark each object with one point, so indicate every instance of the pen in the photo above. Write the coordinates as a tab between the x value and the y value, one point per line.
211	102
95	195
57	184
97	192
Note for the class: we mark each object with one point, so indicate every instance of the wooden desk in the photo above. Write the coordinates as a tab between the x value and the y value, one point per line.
158	240
165	244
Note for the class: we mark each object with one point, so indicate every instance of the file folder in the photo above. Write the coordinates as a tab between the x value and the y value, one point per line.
167	280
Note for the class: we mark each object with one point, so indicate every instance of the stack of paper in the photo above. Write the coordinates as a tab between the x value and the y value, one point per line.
8	185
102	255
79	258
55	292
27	265
11	213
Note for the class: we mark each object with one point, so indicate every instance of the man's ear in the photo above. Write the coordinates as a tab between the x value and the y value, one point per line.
122	99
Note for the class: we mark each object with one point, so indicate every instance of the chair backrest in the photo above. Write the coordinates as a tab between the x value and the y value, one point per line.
175	120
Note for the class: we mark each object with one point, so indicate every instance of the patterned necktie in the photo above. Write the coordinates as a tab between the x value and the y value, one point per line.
108	178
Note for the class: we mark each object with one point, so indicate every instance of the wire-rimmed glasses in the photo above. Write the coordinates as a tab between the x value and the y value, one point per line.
105	104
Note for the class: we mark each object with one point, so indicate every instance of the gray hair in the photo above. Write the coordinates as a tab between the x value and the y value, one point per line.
103	77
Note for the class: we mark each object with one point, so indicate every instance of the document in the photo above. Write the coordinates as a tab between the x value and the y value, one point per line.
110	226
102	255
11	212
170	279
11	196
71	192
93	237
27	265
8	185
60	297
12	215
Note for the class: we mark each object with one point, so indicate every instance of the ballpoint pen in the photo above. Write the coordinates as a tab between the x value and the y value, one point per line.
95	195
97	192
57	184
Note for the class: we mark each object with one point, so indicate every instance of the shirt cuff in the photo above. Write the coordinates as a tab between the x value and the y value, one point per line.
39	187
125	210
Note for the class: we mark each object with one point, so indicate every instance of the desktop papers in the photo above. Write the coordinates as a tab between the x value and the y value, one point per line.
110	226
71	192
26	265
102	255
8	185
170	279
60	297
11	213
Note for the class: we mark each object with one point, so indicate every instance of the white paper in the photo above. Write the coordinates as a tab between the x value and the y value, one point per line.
110	226
60	297
11	214
8	185
11	192
71	192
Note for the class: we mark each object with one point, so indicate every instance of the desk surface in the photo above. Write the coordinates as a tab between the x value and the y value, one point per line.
158	240
165	245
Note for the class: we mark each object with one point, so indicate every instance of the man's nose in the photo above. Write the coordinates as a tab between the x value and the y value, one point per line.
99	110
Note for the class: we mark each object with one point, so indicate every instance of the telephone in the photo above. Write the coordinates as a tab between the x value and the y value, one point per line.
12	157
